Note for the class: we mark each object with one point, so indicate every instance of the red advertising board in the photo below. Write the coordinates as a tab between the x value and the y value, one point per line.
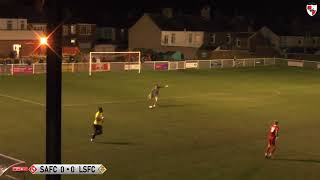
100	67
23	70
161	66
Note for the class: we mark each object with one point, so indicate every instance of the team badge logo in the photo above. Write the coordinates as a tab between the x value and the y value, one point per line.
311	9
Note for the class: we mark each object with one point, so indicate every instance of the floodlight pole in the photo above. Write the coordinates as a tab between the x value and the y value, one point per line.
53	12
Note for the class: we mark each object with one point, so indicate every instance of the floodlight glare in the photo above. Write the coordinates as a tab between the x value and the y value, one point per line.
43	41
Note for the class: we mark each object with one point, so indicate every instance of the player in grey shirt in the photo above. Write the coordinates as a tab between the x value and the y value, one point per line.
154	95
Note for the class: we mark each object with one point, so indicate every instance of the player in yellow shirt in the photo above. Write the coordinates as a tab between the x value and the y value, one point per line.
97	123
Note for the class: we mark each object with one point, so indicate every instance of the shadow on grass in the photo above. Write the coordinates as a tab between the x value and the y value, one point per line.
298	160
114	143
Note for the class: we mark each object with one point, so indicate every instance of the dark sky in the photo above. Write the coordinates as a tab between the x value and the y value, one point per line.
92	10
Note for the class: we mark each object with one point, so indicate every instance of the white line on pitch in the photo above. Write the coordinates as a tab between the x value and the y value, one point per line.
140	100
21	100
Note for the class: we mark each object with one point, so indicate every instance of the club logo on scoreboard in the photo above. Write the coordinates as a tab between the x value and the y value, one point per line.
311	9
33	169
102	169
53	169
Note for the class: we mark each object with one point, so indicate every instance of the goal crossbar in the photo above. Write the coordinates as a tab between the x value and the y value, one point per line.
119	52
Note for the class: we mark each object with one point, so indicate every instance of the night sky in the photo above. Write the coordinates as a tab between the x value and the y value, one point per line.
95	11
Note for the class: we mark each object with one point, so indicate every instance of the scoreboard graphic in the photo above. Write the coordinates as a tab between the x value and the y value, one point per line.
63	169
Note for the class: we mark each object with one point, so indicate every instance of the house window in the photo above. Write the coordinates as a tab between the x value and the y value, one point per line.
166	39
73	41
65	30
228	38
73	29
122	34
41	28
85	30
238	43
190	38
198	38
173	38
9	25
85	45
213	38
107	34
22	26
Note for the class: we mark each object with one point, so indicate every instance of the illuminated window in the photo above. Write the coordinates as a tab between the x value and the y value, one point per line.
73	29
73	41
198	38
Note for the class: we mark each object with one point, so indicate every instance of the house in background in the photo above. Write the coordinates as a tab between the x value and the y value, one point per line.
37	26
193	36
81	35
111	37
13	23
288	42
16	40
163	33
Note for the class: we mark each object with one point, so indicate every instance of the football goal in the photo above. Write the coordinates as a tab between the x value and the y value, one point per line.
107	61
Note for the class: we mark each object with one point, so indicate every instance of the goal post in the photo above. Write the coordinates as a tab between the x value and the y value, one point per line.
131	60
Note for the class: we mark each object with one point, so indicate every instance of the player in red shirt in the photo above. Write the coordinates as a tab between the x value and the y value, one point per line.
272	136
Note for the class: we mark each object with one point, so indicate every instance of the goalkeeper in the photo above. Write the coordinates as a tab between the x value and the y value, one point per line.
97	123
154	95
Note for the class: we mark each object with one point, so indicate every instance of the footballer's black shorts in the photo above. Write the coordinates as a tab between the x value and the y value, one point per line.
97	129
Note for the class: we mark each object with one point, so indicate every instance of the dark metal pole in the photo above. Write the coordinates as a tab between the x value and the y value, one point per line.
53	11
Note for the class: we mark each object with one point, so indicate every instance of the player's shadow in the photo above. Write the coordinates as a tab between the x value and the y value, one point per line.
298	160
115	143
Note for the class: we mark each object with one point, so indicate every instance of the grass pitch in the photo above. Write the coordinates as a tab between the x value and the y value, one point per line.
209	125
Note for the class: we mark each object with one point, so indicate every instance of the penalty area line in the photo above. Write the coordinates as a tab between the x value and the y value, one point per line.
21	100
140	100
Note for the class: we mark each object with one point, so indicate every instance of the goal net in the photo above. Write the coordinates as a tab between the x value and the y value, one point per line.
112	61
6	165
5	69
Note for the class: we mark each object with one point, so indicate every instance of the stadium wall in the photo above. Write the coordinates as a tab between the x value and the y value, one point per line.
40	68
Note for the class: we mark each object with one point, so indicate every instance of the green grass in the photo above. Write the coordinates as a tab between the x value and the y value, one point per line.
210	124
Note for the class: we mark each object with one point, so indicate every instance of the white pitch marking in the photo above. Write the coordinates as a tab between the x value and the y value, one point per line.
21	100
140	100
